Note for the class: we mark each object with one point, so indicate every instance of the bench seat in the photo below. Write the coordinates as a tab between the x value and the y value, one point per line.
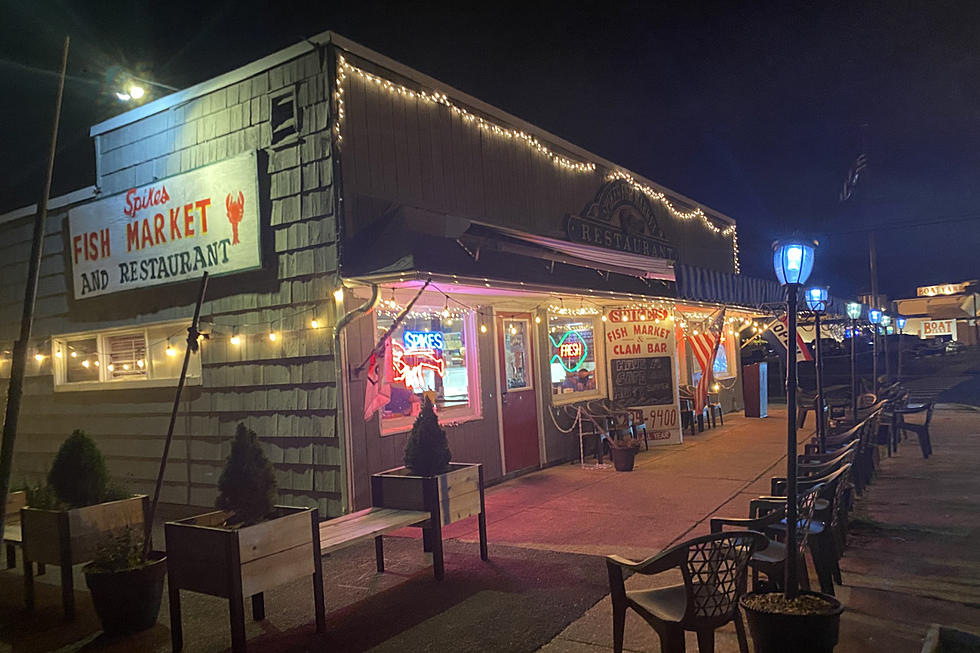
341	532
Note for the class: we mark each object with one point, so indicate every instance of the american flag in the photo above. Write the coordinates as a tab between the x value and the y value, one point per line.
859	165
705	347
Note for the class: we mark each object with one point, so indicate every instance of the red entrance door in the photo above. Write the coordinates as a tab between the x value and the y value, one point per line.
519	404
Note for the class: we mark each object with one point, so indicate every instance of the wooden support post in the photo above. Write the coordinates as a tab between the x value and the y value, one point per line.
318	610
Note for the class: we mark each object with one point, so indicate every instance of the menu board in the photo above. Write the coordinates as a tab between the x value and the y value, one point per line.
642	381
640	348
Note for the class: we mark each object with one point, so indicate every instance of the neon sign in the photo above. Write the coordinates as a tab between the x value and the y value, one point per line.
424	340
409	365
571	348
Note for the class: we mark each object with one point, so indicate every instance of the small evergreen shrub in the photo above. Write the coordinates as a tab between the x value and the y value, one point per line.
78	474
427	451
247	487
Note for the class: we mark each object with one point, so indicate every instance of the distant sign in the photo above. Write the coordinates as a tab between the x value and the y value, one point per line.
944	289
933	328
168	231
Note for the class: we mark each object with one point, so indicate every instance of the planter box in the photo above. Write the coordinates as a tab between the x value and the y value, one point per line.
203	556
71	537
448	497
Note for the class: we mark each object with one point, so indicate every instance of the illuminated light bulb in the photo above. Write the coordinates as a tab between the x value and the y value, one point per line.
235	340
537	319
604	318
643	316
170	351
513	330
39	357
139	363
445	312
338	295
695	332
483	328
273	336
716	387
97	363
136	92
125	366
314	324
111	367
58	354
85	364
74	354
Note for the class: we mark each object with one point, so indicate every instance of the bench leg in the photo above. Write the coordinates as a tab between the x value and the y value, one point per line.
379	553
28	583
483	536
176	628
258	607
236	614
318	609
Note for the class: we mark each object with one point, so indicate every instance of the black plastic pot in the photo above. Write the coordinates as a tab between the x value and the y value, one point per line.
128	601
623	458
800	633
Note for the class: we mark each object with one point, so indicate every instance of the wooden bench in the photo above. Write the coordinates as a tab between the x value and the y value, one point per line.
336	534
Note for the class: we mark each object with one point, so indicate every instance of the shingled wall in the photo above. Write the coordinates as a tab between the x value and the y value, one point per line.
284	390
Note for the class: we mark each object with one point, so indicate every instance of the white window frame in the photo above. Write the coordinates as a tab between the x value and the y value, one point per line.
730	358
60	343
598	336
473	410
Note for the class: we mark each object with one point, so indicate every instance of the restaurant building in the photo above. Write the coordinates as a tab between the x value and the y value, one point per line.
337	197
947	311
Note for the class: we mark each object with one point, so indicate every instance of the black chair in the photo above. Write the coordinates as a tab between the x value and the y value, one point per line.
714	406
921	430
714	569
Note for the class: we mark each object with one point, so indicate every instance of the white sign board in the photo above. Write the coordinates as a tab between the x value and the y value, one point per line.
641	353
168	231
933	328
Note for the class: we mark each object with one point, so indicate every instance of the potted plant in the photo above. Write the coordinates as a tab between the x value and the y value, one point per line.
803	622
623	450
247	547
126	585
66	520
430	482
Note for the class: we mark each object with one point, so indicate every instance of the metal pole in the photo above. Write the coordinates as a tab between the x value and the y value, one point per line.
874	356
901	332
818	364
854	396
792	557
16	388
888	364
192	346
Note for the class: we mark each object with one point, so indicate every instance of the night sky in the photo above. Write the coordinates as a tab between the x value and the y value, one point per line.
755	112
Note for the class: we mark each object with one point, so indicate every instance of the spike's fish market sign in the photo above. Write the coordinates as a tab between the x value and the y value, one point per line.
168	231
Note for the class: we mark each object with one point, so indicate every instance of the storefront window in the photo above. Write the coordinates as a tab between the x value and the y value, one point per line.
724	366
430	355
572	357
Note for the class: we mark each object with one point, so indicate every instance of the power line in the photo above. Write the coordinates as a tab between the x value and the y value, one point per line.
909	224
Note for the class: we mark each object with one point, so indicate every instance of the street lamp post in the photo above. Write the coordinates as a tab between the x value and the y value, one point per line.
816	301
853	312
886	321
874	316
900	323
793	262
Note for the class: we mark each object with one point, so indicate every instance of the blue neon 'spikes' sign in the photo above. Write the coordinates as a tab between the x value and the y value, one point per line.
424	340
168	231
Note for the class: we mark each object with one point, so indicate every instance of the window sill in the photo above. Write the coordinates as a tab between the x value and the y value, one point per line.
88	386
404	427
573	397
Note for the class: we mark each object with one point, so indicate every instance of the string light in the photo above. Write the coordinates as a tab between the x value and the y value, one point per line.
338	295
483	328
39	358
112	368
140	363
85	363
314	324
273	336
170	351
235	340
58	354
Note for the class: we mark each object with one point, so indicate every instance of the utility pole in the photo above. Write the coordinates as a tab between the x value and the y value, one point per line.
19	362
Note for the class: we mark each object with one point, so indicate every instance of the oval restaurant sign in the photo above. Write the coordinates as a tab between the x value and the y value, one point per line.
168	231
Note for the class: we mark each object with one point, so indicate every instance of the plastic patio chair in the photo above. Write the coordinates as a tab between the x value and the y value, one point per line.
714	568
921	430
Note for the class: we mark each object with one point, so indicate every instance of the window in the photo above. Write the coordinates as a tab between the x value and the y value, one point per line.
724	366
144	357
572	358
435	356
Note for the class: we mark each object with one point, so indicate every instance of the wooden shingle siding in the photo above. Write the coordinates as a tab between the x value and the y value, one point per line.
285	391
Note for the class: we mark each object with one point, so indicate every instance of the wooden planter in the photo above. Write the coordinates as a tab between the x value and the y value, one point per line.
449	497
71	537
203	556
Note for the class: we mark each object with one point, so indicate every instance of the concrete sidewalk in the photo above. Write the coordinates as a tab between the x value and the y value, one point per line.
913	557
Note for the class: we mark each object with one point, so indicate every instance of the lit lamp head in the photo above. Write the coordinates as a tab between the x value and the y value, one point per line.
793	261
874	316
900	321
816	298
853	310
886	319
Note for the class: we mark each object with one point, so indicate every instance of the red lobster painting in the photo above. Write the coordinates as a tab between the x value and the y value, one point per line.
236	211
